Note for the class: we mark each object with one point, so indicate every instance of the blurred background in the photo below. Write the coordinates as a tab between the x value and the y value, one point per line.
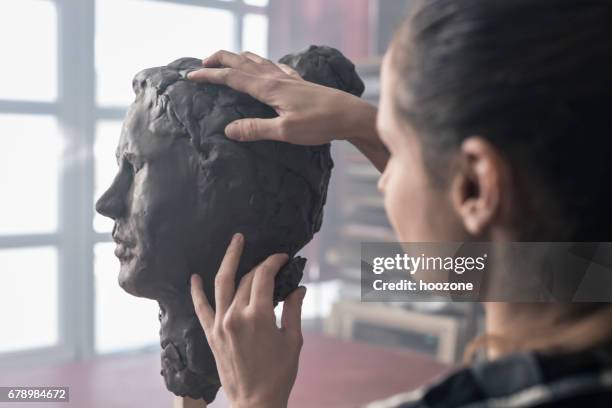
65	84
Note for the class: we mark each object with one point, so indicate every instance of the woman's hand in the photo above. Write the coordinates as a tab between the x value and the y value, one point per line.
309	114
256	360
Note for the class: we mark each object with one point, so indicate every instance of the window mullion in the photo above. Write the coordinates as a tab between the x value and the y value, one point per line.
76	115
238	27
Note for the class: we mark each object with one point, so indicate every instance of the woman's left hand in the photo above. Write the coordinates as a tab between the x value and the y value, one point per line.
257	361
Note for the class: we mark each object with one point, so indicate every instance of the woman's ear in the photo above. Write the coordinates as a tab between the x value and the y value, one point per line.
478	185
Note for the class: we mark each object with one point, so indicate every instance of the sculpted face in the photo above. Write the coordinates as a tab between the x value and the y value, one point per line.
182	190
167	201
151	200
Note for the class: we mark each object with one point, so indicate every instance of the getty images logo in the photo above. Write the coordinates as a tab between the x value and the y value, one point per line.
414	264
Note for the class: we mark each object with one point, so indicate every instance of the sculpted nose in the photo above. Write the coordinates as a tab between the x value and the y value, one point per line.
112	203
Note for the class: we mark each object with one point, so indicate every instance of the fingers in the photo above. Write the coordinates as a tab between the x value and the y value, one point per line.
262	292
291	320
225	279
289	70
250	84
202	307
246	61
229	59
231	77
248	130
243	294
254	57
264	65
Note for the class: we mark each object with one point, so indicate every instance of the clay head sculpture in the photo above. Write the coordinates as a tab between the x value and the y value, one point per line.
183	189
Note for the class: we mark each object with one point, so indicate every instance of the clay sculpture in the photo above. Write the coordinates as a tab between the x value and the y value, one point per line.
183	189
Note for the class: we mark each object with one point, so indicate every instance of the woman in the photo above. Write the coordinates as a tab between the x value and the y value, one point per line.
492	126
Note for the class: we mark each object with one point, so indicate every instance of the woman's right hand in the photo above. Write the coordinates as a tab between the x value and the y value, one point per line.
309	114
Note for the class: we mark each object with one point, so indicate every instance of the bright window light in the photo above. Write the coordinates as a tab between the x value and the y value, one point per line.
255	34
28	40
165	32
30	155
122	320
107	137
258	3
28	298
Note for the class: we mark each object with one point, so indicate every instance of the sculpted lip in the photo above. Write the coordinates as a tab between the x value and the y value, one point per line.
124	248
123	252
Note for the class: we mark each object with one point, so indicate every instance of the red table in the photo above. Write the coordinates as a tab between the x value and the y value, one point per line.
333	373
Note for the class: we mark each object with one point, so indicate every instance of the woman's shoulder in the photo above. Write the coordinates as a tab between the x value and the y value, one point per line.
520	380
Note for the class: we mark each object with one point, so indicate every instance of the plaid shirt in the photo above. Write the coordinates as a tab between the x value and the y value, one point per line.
581	379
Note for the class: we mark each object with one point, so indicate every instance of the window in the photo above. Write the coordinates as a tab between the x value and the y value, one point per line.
122	321
31	147
106	139
28	274
255	34
28	40
122	51
65	85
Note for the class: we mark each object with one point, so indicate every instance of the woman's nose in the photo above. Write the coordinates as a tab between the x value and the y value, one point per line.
382	181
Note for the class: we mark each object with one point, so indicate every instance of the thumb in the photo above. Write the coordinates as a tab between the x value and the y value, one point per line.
291	320
248	130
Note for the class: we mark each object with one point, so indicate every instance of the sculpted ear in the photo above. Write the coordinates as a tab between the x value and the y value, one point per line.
325	66
139	82
480	185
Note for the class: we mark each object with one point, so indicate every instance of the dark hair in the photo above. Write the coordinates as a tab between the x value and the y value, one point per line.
533	77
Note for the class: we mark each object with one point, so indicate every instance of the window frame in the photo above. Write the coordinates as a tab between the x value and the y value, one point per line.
78	114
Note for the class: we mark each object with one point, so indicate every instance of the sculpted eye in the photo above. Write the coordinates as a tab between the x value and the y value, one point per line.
133	163
137	166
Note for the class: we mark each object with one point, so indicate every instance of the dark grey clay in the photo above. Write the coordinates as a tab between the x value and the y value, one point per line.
183	189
